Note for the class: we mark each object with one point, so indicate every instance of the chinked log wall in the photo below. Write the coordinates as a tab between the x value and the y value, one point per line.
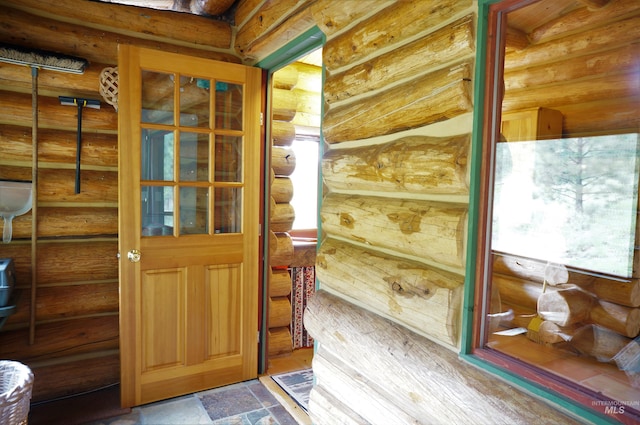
295	102
282	214
76	319
398	121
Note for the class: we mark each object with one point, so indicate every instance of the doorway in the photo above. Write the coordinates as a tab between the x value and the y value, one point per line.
295	105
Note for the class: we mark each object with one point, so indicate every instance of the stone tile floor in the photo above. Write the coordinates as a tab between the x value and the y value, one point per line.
245	403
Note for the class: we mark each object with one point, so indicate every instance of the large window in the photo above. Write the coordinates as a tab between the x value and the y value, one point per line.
570	201
557	277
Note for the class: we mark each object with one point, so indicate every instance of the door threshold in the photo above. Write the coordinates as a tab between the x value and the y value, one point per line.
286	401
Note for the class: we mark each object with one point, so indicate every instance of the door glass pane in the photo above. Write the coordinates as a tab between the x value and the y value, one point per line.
157	97
157	155
157	210
194	102
228	210
194	210
194	157
228	159
228	106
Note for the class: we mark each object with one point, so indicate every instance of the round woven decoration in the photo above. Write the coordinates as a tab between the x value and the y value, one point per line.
109	86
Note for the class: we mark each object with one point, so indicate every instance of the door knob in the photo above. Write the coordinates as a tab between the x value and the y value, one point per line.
134	255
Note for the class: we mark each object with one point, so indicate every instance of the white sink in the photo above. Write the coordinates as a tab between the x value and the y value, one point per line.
15	200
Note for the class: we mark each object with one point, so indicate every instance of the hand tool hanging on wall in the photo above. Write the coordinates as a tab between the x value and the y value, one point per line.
36	60
80	103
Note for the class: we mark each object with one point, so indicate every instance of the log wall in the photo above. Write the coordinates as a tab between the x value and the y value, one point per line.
72	343
398	96
398	125
296	105
592	54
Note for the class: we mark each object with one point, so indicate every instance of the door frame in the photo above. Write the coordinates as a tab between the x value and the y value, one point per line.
300	46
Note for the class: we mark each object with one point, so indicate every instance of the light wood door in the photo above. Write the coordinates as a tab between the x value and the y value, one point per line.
189	185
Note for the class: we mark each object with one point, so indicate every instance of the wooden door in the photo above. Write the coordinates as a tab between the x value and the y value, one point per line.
189	185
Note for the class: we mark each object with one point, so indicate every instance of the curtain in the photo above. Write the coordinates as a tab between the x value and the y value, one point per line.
304	285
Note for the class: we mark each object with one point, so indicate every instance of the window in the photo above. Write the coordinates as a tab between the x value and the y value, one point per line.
556	276
305	183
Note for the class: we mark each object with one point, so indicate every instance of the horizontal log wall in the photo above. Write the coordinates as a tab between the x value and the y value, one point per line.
76	344
296	102
382	373
396	173
590	53
395	209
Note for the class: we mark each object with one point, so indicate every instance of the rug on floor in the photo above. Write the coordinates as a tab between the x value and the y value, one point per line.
297	384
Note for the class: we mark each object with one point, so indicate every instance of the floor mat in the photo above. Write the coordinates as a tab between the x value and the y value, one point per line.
297	384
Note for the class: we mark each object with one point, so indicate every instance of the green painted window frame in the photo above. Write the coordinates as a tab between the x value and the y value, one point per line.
485	91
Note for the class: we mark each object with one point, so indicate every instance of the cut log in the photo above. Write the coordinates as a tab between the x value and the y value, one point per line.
262	22
430	230
619	61
598	88
518	292
618	318
98	259
625	293
283	161
598	38
516	39
64	222
355	391
76	375
98	187
425	100
63	338
60	302
398	23
210	7
534	271
424	299
58	147
279	312
551	333
598	342
324	408
285	78
579	19
282	133
280	249
414	164
591	117
279	283
295	19
333	16
167	26
95	45
15	109
279	342
282	189
412	371
282	218
51	83
284	105
565	307
449	43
